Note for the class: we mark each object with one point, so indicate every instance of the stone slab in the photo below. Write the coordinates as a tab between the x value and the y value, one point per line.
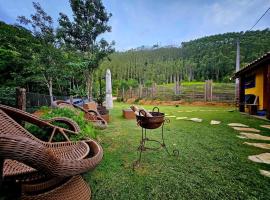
196	119
255	136
265	126
265	173
214	122
246	129
260	158
259	145
237	125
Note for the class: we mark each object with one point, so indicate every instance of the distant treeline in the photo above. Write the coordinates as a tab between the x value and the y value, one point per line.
211	57
25	61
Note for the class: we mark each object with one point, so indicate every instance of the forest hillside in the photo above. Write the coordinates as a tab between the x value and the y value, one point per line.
211	57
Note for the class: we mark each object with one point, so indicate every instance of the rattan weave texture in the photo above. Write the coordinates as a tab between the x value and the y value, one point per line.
40	165
73	189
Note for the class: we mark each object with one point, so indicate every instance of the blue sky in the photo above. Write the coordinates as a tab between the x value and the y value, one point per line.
166	22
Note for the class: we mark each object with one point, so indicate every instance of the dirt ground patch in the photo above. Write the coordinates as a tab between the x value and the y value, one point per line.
175	103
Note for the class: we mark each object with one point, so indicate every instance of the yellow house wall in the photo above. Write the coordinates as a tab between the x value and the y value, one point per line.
258	89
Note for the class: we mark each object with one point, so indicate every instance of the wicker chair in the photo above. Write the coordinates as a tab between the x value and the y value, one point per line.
74	188
26	159
90	115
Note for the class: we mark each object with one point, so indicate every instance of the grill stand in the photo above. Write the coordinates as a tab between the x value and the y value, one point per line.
142	147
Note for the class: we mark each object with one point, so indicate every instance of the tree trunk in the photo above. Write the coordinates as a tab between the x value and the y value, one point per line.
89	77
91	86
50	89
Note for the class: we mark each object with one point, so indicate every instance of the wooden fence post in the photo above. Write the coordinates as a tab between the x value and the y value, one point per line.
71	99
208	90
241	94
176	92
153	90
267	91
130	92
140	91
123	93
21	98
211	89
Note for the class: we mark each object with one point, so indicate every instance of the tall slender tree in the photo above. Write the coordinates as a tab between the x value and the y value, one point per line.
47	59
90	20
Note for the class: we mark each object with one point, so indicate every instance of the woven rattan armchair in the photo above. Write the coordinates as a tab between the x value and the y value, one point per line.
90	115
26	159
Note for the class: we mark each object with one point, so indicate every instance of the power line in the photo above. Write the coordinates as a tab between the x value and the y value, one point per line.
259	19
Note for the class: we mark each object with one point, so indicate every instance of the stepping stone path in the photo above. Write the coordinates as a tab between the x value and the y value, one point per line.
254	136
265	126
195	119
178	118
214	122
237	125
265	173
259	145
246	129
260	158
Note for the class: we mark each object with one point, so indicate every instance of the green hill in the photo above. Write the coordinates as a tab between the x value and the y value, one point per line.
211	57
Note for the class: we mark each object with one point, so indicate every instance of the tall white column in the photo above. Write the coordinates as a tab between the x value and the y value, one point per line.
109	100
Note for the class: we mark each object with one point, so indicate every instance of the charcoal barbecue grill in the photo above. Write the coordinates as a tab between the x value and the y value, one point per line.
158	120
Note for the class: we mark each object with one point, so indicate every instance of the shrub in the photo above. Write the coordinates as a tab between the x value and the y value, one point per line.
87	129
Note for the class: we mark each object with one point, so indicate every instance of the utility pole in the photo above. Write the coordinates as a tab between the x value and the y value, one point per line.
237	68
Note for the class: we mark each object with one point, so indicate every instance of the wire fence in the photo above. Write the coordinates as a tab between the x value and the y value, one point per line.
213	92
219	92
36	100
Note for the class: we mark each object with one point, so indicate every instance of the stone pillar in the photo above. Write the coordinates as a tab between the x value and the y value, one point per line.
109	100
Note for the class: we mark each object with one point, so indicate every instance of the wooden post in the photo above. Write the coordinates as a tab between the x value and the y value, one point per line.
180	87
177	85
153	90
71	99
208	90
21	98
205	89
241	94
130	92
123	93
211	89
140	91
267	96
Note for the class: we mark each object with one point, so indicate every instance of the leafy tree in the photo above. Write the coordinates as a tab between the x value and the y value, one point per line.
17	46
48	59
90	20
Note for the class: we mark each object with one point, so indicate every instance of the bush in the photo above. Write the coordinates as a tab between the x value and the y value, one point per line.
8	96
87	129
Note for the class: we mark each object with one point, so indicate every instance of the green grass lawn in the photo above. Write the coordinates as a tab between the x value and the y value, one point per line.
212	163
